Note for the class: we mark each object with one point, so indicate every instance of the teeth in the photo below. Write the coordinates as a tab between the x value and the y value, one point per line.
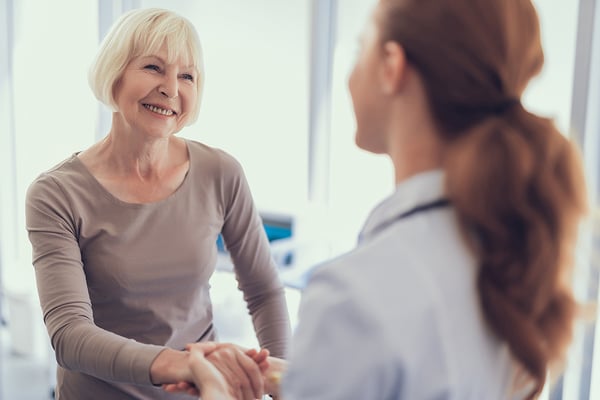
158	110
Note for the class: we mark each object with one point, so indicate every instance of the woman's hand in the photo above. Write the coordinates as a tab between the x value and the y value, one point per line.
271	368
233	372
275	369
207	377
241	371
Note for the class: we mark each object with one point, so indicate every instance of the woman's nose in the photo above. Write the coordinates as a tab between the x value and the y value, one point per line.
169	87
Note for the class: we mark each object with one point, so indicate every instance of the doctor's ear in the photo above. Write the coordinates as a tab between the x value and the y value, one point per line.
394	67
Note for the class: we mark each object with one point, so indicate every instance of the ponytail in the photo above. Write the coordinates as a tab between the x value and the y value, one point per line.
517	186
515	181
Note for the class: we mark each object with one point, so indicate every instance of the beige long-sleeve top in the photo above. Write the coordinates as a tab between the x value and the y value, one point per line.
118	282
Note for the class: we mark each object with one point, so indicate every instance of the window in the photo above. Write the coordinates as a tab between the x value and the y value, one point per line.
54	111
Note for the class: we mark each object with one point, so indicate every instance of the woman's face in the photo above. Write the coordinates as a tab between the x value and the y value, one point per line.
367	97
156	97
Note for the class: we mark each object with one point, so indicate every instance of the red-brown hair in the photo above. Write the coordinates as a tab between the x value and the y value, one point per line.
516	183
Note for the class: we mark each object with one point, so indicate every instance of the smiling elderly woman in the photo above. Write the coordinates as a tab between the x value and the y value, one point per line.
124	232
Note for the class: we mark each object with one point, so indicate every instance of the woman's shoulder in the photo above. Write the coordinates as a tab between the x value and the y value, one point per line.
64	172
56	187
205	156
374	275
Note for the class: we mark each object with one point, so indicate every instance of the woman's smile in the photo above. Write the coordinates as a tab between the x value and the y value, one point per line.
159	109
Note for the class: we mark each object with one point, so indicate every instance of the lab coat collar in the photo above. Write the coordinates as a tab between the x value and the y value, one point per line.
420	189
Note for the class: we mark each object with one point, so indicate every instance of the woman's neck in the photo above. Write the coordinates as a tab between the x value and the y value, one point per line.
414	145
131	155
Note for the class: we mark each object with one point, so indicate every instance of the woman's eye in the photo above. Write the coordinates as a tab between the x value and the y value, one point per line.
152	67
189	77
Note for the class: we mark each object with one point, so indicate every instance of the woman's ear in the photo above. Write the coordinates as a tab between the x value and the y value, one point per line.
394	67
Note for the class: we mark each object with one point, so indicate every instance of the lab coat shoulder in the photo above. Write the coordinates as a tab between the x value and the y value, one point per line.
367	330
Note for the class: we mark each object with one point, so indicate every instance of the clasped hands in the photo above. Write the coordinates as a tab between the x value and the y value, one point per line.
226	371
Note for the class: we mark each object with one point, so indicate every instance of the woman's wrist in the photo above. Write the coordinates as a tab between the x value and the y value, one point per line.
273	375
170	366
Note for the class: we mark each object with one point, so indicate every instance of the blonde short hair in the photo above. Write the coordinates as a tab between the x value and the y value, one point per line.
142	32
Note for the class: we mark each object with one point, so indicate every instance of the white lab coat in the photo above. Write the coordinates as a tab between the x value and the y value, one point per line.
399	316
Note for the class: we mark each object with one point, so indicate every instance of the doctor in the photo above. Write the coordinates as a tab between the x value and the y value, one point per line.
458	287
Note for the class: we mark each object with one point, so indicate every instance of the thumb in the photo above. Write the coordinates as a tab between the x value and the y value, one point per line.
203	348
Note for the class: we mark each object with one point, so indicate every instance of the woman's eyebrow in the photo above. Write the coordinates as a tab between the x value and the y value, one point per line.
158	58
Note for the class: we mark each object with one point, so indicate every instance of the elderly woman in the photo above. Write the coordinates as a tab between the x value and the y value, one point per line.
459	286
124	233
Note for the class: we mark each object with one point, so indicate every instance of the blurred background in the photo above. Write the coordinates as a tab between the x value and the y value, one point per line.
275	97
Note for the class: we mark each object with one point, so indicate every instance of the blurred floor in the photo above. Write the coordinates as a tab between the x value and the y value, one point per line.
22	377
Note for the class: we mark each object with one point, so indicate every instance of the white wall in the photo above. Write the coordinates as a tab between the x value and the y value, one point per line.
54	109
8	225
47	113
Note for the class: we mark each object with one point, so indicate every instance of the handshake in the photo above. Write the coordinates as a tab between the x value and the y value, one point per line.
225	371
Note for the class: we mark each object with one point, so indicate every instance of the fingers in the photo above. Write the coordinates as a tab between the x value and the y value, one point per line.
253	372
241	372
171	387
218	361
210	381
198	354
226	363
241	368
181	387
260	357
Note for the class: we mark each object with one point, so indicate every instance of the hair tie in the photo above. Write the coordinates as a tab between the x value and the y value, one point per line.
506	106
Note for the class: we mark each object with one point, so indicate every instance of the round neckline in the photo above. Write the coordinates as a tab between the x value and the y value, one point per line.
118	201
